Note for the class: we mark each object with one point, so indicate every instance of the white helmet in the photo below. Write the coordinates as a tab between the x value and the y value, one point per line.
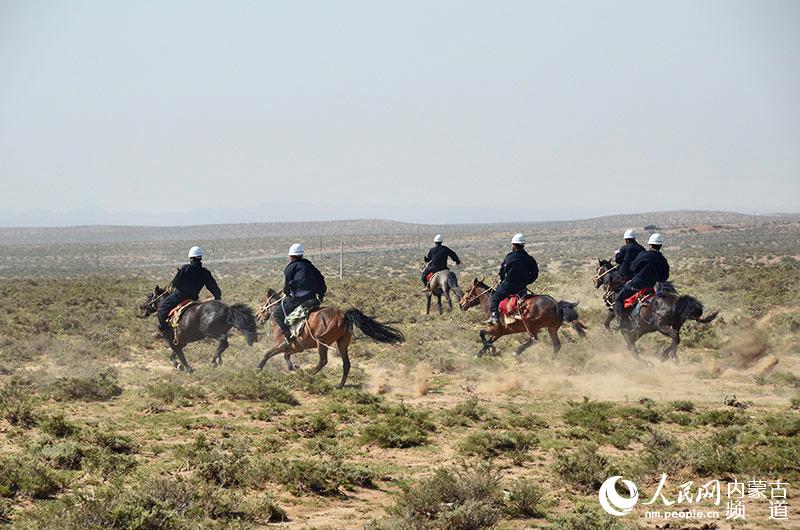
630	234
518	239
297	250
438	238
656	239
196	252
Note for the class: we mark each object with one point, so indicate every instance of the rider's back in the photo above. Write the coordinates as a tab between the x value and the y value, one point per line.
519	268
438	255
191	279
626	256
648	268
303	278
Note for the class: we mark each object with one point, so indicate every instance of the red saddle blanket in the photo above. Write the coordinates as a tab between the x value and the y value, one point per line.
642	296
429	276
510	305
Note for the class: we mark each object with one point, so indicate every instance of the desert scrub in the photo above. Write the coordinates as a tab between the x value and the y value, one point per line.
489	444
58	426
168	392
465	414
311	426
466	498
587	518
320	477
256	387
400	427
21	475
100	386
152	502
219	463
17	404
526	498
722	418
583	469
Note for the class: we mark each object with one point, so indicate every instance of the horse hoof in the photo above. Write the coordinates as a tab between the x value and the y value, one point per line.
339	386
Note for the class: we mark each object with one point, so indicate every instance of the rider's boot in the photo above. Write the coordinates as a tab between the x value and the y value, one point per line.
494	319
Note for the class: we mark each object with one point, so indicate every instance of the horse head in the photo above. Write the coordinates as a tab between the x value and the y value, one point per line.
603	266
472	296
150	303
267	307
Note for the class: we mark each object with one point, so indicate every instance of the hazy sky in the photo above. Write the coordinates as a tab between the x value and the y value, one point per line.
556	109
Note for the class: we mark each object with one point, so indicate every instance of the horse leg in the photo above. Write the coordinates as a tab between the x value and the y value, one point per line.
524	346
342	345
553	331
609	319
223	345
428	307
177	348
488	345
280	348
439	303
449	300
323	358
630	339
673	347
287	356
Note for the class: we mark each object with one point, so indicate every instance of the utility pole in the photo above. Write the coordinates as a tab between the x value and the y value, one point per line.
341	260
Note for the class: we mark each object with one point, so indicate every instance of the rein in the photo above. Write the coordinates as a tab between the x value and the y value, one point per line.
598	276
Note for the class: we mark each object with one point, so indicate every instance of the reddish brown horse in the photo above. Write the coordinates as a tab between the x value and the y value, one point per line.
325	328
538	312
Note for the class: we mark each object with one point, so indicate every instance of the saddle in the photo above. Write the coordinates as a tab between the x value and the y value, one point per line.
174	316
429	276
298	318
642	297
511	307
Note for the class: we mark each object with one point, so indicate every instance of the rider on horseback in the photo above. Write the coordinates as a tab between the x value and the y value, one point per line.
517	271
436	258
186	285
626	254
303	282
649	268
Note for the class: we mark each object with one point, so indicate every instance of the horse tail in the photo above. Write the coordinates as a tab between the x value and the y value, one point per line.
690	308
452	282
372	328
567	312
241	317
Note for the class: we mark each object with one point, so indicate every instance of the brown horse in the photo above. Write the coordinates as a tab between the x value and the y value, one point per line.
325	327
211	319
538	312
665	313
441	283
607	276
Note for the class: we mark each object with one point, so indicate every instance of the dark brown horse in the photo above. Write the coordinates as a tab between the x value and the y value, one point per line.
665	313
326	327
211	319
538	312
607	276
442	282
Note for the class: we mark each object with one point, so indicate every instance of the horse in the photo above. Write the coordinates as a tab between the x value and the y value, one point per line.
666	313
210	319
324	327
442	282
538	312
607	276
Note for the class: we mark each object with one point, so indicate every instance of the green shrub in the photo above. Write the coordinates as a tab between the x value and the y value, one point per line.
584	469
17	404
402	426
100	386
592	415
64	455
489	444
314	425
586	518
465	499
169	392
722	418
526	499
683	405
326	478
465	414
22	475
58	426
256	387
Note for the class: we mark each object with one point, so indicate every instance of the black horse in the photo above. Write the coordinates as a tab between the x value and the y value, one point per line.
666	313
211	319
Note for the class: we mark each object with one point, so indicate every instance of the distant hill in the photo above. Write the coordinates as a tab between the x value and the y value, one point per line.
116	234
